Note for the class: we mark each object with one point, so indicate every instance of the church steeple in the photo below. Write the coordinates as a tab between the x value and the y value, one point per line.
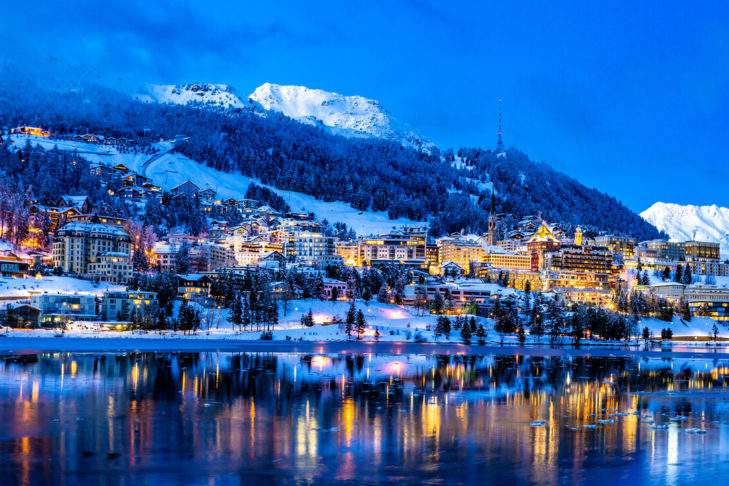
493	222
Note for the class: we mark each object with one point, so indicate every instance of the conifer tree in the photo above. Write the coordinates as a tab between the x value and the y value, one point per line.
361	324
466	334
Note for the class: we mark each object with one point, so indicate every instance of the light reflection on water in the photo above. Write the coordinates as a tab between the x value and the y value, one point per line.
231	418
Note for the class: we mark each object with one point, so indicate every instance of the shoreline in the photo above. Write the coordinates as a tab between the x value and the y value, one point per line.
42	344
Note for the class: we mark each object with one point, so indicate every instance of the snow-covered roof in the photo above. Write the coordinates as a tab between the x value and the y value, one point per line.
193	277
119	254
544	233
94	228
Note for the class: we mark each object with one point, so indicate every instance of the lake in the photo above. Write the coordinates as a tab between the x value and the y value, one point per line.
156	418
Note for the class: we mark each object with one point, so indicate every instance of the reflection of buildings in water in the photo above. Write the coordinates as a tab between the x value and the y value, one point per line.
415	411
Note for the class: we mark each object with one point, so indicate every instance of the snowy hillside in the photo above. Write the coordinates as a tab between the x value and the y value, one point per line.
220	95
353	116
683	223
169	169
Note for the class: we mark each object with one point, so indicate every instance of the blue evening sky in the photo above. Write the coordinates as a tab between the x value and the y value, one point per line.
628	97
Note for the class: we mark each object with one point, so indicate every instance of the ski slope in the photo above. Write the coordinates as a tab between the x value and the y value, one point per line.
168	169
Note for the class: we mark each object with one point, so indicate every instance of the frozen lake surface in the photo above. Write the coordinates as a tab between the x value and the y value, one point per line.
337	412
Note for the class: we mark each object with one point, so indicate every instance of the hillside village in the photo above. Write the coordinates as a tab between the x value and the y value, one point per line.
251	256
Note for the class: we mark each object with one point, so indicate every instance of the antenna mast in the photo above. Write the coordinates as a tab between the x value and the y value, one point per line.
499	143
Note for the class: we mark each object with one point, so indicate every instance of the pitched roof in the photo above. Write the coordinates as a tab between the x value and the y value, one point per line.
543	233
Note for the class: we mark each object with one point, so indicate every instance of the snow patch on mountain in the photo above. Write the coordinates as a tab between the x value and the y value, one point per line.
351	116
219	95
684	223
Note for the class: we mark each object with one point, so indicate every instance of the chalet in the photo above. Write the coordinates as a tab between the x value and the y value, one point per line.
284	288
121	168
248	203
56	216
188	188
193	286
95	218
21	315
133	194
151	187
134	179
272	260
451	269
38	132
80	203
88	138
105	171
207	194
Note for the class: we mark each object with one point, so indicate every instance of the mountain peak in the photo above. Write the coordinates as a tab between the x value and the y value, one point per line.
351	116
689	222
219	95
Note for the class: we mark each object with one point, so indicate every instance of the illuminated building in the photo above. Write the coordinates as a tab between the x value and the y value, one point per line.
542	241
666	250
594	259
581	287
38	132
717	269
617	245
315	249
59	308
76	245
110	266
12	266
461	251
193	286
584	274
342	289
406	246
95	218
120	305
671	291
509	261
163	256
703	251
514	278
578	236
462	292
350	253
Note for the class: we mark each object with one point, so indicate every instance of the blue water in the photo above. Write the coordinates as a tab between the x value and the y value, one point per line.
242	418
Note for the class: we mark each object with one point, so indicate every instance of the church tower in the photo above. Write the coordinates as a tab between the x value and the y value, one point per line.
578	236
492	220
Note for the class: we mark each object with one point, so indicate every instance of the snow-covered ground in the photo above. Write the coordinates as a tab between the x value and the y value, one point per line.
685	223
24	287
169	169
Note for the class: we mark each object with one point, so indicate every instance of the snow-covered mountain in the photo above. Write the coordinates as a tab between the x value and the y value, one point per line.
682	223
219	95
352	116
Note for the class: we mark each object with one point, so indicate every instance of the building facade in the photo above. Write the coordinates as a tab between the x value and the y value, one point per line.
76	245
121	306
